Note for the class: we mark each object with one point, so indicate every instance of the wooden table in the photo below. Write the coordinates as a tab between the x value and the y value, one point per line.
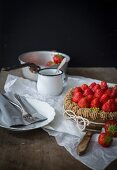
36	150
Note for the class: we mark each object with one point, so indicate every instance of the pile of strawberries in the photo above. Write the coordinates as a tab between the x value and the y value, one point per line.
105	138
96	95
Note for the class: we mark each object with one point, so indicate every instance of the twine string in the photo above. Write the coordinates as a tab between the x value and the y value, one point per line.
81	122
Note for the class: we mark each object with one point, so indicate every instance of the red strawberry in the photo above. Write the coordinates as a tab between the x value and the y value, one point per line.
77	89
74	99
104	98
108	91
98	93
111	127
84	87
104	85
97	86
92	85
77	96
88	91
95	103
116	100
57	58
109	106
83	102
115	88
89	97
105	139
113	94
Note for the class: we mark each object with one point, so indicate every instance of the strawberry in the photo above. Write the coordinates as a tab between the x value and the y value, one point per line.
77	96
116	100
92	85
98	93
111	127
89	97
104	98
109	106
83	102
105	139
57	58
115	88
108	91
97	86
74	99
88	91
95	103
77	89
104	85
84	87
113	94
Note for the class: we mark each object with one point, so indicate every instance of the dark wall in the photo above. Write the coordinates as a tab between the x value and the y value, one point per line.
0	35
83	30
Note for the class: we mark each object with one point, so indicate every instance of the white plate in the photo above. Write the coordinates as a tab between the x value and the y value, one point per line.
43	108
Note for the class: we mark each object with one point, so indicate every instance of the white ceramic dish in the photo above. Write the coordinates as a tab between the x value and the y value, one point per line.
41	107
40	58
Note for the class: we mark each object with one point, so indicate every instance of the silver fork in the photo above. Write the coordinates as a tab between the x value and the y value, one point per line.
26	116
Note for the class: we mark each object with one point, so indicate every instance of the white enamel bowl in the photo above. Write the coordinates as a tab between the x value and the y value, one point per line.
40	58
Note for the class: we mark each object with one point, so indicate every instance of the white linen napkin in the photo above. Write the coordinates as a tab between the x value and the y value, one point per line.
65	131
11	115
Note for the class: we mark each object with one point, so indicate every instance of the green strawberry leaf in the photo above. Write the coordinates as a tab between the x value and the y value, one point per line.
112	129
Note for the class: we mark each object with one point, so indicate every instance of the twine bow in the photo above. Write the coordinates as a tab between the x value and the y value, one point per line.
81	122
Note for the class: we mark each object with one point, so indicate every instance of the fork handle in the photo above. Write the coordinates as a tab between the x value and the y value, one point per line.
20	102
83	145
13	103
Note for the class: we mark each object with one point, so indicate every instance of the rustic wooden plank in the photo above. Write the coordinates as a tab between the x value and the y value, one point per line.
108	74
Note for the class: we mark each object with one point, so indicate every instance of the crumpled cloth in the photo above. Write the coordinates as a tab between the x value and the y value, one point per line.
65	131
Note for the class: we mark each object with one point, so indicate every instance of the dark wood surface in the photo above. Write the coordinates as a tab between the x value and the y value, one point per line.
36	149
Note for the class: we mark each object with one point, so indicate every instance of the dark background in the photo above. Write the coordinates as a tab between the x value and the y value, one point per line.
85	30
